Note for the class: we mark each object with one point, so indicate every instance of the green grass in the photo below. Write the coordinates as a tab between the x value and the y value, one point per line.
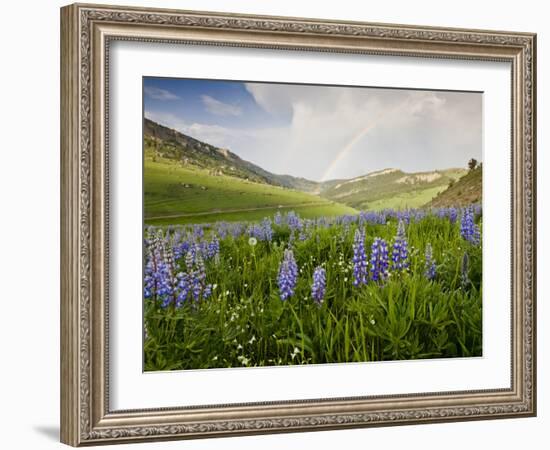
327	209
393	189
174	193
414	199
245	323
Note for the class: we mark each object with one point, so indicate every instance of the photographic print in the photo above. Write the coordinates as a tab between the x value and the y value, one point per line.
289	224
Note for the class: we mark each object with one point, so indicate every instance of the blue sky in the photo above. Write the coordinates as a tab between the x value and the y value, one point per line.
322	132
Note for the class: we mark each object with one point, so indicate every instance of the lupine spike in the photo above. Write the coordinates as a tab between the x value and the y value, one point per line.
430	268
379	260
400	250
359	259
468	229
319	285
288	275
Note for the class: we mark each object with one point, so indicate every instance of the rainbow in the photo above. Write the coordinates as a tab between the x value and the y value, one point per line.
356	138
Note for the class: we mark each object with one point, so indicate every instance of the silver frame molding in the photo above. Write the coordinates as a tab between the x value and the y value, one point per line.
86	33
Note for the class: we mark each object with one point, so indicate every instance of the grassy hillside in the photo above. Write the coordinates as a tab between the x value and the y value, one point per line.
391	188
187	180
465	191
176	194
164	142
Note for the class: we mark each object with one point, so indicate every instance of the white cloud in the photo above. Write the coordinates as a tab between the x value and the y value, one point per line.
220	108
339	132
159	94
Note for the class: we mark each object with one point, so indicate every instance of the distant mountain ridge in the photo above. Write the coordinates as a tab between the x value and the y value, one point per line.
374	190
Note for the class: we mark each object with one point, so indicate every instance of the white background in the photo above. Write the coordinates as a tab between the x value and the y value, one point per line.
132	389
29	185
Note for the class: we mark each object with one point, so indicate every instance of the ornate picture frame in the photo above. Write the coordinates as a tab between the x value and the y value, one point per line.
87	31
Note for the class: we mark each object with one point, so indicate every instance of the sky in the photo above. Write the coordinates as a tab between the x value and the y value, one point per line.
322	132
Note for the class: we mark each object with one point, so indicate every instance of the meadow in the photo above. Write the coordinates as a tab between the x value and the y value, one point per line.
283	288
182	195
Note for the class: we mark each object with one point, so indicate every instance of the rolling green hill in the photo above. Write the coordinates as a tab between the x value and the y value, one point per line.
163	142
465	191
178	195
391	188
187	180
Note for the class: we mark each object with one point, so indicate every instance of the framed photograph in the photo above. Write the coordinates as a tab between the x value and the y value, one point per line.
277	224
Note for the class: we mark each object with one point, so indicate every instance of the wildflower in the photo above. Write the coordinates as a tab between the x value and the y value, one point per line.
198	232
319	285
468	229
267	231
190	259
213	248
293	221
244	360
252	241
379	260
400	251
453	213
237	229
359	259
193	281
288	275
183	288
181	248
429	272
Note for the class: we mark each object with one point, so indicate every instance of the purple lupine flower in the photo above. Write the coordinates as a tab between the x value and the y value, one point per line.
193	282
189	260
293	221
359	259
379	260
400	250
167	283
478	210
453	214
319	285
158	279
255	231
429	272
278	219
304	234
439	212
199	288
207	291
322	222
152	259
183	287
288	275
181	248
213	248
267	230
468	229
198	232
222	228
